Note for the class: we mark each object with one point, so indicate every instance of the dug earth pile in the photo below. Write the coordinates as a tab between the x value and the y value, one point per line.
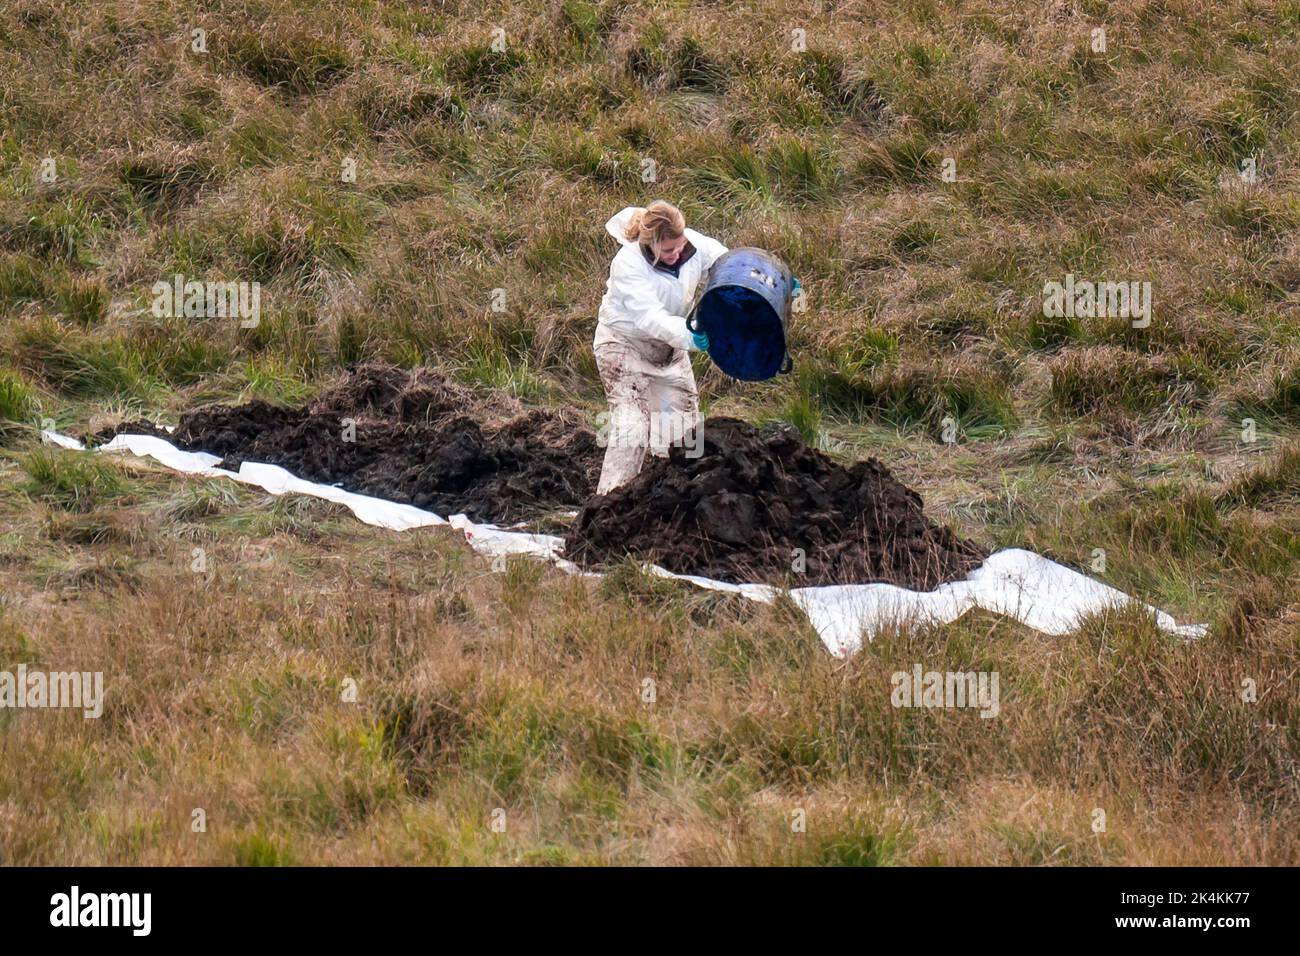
739	511
757	505
414	437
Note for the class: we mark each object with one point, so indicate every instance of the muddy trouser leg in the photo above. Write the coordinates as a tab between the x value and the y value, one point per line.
627	388
674	404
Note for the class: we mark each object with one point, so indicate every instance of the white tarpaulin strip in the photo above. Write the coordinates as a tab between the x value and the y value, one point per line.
1039	593
270	478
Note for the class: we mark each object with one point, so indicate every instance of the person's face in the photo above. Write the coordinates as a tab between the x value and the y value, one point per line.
670	250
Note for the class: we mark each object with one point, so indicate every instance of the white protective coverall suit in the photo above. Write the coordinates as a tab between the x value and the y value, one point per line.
641	350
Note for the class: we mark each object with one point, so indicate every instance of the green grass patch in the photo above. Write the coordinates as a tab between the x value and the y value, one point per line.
83	366
18	402
71	480
1107	379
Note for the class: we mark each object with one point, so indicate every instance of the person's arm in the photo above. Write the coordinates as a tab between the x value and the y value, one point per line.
637	311
708	250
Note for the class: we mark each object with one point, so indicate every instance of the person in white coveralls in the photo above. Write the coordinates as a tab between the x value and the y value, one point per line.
642	342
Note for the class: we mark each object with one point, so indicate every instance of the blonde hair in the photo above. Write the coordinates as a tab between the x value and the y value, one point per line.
660	220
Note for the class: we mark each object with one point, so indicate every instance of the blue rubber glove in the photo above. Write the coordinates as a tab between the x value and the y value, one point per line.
795	289
700	341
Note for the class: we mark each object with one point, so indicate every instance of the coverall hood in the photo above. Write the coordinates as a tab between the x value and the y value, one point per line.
617	227
619	222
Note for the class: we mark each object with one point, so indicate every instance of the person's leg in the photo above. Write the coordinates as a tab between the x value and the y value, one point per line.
627	390
674	402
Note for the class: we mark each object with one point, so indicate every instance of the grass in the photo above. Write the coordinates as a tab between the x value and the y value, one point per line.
925	170
72	480
1108	379
17	399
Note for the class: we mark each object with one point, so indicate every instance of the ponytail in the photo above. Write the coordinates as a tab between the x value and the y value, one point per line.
659	220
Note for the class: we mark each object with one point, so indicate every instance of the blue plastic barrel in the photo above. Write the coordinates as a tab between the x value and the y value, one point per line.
743	311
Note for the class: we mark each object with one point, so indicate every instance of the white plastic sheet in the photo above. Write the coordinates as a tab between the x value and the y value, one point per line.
270	478
1039	593
1042	594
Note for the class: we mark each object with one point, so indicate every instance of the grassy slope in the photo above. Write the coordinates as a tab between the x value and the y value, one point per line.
522	690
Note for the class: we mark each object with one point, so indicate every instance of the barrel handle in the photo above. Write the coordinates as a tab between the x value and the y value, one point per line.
787	366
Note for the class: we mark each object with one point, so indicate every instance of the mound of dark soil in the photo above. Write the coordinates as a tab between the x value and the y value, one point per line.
414	437
420	395
739	512
743	511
